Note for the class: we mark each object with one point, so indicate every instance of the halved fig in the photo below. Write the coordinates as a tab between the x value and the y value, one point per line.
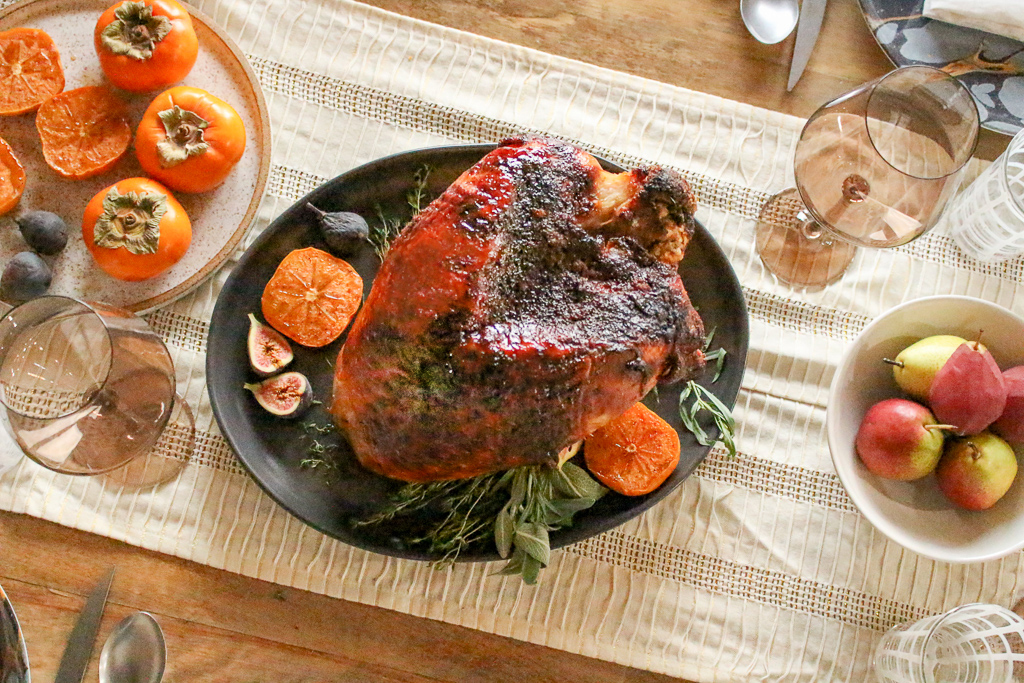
287	395
269	351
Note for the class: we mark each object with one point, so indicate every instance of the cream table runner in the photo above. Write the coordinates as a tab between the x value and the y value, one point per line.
757	567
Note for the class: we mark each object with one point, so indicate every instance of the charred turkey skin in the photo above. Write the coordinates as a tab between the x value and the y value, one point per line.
535	300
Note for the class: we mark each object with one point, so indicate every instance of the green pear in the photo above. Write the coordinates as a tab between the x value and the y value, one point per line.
915	366
976	471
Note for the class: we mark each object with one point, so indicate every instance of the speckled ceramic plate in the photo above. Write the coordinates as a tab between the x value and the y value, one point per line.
273	449
991	66
219	217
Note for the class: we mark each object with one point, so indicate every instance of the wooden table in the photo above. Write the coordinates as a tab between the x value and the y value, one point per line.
225	627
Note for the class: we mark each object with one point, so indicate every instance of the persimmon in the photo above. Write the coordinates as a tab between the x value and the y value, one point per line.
30	70
146	45
189	139
135	229
12	178
84	132
312	297
634	453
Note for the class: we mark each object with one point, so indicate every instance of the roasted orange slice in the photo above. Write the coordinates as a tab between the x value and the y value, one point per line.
30	71
312	297
12	178
634	453
84	131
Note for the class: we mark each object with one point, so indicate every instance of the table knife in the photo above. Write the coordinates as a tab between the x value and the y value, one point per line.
811	14
78	651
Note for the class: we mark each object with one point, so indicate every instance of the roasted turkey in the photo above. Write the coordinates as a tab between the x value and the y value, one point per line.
535	300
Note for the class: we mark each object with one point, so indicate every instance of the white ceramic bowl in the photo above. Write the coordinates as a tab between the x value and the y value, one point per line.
916	514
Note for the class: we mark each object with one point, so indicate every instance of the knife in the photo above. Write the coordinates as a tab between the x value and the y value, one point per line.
811	14
13	655
78	651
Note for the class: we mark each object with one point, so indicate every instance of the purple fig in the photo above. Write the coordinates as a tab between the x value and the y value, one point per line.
968	391
287	395
1010	424
269	351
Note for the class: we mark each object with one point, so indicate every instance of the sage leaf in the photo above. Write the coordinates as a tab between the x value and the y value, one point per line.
531	570
532	538
574	482
504	530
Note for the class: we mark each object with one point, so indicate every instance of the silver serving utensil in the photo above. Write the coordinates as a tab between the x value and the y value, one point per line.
811	14
78	651
13	654
770	21
135	651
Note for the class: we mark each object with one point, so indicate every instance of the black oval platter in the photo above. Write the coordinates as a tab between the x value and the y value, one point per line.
272	449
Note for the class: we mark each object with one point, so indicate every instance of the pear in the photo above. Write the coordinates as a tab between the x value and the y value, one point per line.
976	471
899	439
968	390
1010	424
915	366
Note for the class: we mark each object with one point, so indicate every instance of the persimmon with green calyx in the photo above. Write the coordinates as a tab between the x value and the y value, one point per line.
146	45
189	140
136	229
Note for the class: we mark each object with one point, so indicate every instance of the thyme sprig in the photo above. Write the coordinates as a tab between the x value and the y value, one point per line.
388	227
516	509
319	456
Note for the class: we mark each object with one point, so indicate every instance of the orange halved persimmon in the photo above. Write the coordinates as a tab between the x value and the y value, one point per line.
12	178
84	131
634	453
30	70
312	297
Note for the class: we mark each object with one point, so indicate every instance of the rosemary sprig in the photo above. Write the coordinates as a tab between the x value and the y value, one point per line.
705	401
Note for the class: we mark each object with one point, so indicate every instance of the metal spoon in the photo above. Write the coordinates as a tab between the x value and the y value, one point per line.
13	655
770	21
135	651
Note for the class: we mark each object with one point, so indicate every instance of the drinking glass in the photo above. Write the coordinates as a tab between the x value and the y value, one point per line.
975	643
987	219
87	388
874	168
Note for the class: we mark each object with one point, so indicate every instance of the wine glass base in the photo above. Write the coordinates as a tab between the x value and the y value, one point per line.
169	455
793	247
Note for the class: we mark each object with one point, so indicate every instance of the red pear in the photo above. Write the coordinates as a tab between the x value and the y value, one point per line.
899	439
1010	424
968	391
976	471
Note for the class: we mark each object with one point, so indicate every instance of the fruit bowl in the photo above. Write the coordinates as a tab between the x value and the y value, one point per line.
915	514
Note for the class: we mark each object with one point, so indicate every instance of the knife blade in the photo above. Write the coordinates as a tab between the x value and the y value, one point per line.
811	14
78	651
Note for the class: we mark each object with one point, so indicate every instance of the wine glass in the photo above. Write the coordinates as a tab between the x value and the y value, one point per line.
875	168
87	388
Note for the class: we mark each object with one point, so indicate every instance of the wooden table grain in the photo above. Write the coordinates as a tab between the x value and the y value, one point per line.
225	627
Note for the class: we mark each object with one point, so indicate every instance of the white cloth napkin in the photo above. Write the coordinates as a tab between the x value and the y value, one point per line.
1003	17
10	454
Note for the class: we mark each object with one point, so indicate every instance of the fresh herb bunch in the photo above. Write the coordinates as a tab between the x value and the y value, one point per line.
387	227
705	401
517	509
